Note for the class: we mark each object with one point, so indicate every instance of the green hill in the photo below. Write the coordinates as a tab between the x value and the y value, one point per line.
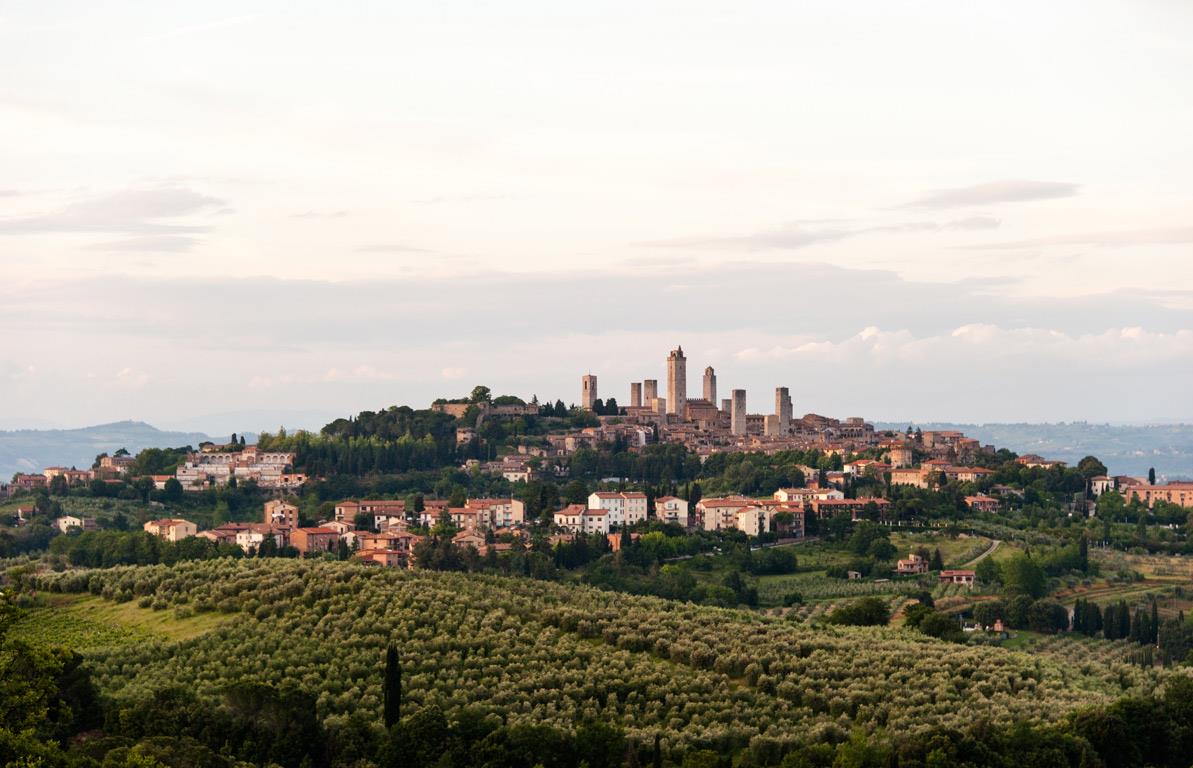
542	652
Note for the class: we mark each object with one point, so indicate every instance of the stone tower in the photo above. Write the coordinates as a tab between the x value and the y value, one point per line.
588	391
677	382
737	414
710	385
650	392
635	394
783	410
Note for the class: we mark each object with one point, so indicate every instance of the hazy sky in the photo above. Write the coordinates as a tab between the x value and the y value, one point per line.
911	210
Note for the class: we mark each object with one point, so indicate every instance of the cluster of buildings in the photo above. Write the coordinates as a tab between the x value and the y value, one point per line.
216	465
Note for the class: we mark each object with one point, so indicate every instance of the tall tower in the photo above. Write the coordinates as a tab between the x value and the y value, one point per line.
650	392
737	414
635	394
588	391
710	385
677	382
783	409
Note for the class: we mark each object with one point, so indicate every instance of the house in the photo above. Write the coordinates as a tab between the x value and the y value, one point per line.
341	527
855	508
313	540
251	537
68	523
471	539
224	534
500	513
571	517
378	508
278	512
1100	484
963	577
715	514
672	509
967	474
1032	460
399	541
982	503
171	529
596	521
387	558
916	478
1173	493
22	481
753	521
913	565
624	508
789	529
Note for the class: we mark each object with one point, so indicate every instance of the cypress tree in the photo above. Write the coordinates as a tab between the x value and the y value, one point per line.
1110	623
657	757
1124	619
392	687
1154	634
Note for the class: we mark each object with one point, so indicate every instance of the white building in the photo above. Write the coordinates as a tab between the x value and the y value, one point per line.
672	509
624	508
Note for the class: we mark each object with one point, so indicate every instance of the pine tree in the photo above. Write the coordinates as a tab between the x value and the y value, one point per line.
392	687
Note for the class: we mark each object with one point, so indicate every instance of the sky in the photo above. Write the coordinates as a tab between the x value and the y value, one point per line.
224	216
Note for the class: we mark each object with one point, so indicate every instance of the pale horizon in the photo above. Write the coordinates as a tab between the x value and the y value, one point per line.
929	212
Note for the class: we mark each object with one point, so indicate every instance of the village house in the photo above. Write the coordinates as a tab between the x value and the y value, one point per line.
854	508
571	517
314	540
226	533
753	521
912	566
1100	484
624	508
914	477
1032	460
22	481
68	523
501	513
982	503
715	514
956	576
671	509
171	529
278	512
1173	493
254	535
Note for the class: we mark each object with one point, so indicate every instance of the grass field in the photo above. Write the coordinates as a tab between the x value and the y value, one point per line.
87	622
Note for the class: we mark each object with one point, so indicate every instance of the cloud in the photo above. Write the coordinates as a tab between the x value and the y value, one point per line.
361	373
974	223
392	248
10	192
1120	239
793	236
149	244
320	215
133	211
1009	191
204	27
131	378
453	374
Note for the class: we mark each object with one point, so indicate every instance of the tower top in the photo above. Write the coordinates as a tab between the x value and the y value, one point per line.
709	370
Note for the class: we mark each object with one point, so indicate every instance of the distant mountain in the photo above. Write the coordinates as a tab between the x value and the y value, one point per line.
1129	449
31	450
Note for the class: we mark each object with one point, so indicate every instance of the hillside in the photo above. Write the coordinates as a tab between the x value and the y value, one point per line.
545	653
1125	449
31	450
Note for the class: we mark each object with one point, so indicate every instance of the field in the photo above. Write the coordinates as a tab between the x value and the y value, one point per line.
542	652
89	623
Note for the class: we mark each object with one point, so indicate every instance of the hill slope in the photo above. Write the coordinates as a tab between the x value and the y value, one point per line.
544	652
31	450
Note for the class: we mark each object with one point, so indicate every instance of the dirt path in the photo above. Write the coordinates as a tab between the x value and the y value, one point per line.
993	546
